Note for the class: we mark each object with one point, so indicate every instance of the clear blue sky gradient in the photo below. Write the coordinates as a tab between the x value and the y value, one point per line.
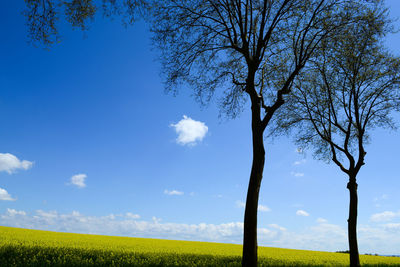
95	105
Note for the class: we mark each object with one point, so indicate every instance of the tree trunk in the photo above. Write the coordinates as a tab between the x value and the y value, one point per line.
249	258
352	222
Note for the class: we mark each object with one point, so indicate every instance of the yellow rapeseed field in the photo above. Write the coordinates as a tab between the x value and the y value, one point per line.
23	247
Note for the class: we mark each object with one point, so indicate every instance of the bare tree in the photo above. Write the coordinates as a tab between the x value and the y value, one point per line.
350	87
252	49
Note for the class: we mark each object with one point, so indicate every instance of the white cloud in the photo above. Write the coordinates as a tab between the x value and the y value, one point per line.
231	232
299	162
76	213
4	195
189	131
380	199
322	220
111	216
50	214
263	208
156	220
173	192
276	226
384	216
297	174
10	163
302	213
79	180
132	216
13	212
381	239
240	204
392	227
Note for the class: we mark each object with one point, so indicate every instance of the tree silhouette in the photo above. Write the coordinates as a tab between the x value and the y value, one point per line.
252	49
350	87
42	15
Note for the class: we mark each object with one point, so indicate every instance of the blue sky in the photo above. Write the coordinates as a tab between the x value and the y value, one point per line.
149	164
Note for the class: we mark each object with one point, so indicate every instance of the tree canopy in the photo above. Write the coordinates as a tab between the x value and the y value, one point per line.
210	45
237	50
43	16
351	86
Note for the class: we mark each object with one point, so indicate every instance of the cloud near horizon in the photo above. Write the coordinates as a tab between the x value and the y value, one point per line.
189	131
131	215
4	195
382	239
385	216
10	163
322	220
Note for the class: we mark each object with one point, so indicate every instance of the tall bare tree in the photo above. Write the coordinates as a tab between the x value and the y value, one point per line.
351	86
251	49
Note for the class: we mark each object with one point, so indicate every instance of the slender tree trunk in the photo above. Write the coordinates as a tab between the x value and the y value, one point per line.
250	216
352	222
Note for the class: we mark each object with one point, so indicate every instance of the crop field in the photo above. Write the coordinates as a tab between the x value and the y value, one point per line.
23	247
